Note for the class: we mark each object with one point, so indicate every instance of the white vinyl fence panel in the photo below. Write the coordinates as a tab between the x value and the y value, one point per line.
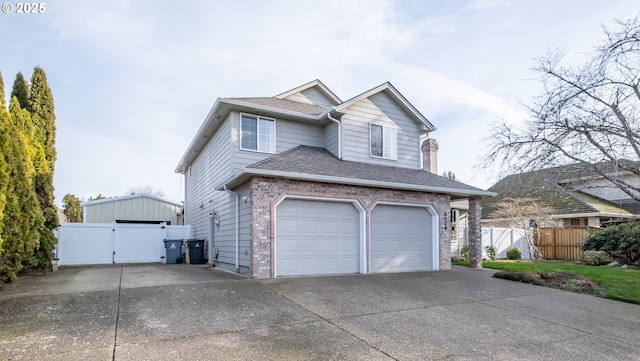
105	243
504	238
84	243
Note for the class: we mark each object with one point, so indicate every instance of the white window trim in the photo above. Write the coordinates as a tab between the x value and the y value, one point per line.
393	152
257	134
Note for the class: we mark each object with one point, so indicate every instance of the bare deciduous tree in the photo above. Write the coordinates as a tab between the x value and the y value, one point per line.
587	115
146	190
523	213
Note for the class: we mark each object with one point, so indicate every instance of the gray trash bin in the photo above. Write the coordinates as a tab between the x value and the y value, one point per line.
174	250
196	251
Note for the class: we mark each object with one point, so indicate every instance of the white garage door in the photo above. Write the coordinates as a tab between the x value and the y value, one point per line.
316	237
401	239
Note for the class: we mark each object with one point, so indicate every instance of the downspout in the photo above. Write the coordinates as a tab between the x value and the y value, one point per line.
339	134
237	227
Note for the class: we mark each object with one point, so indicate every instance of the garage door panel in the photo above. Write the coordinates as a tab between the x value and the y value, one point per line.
316	237
401	239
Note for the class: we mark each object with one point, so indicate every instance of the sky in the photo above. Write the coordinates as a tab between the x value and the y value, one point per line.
133	80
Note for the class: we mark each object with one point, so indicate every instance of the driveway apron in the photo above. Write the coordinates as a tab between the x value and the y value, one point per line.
169	312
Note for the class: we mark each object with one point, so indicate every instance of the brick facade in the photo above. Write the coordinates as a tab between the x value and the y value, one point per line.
267	192
475	233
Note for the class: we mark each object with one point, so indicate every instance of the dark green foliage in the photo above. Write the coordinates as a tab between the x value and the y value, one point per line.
42	112
514	253
72	208
21	90
621	242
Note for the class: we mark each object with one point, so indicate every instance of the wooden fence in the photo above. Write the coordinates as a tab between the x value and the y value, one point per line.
562	243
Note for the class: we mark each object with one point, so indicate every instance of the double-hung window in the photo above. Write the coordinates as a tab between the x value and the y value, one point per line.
257	133
383	141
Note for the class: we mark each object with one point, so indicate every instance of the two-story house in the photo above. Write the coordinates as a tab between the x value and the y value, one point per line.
304	183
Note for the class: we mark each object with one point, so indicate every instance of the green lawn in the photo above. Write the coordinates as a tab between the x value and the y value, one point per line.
621	284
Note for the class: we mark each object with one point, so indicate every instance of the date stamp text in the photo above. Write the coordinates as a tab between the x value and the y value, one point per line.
24	8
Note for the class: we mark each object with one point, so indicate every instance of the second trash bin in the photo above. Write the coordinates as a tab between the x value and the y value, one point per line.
174	250
196	251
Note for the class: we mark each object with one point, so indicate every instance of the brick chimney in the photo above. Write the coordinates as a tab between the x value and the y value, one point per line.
430	156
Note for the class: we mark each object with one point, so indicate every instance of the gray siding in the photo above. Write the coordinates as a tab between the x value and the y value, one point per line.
289	134
205	172
311	96
331	138
379	109
225	234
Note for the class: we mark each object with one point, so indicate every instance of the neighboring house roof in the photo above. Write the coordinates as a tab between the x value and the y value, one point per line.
131	196
544	185
318	164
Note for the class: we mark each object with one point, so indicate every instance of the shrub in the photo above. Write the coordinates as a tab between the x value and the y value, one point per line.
464	252
621	242
514	253
595	258
492	252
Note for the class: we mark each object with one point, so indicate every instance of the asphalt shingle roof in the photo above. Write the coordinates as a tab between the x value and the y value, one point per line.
546	186
285	104
319	161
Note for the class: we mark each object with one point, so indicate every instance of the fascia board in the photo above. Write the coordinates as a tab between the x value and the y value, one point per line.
241	176
273	111
593	214
206	125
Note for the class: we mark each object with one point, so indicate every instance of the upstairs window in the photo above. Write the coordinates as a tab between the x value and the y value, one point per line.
383	141
257	133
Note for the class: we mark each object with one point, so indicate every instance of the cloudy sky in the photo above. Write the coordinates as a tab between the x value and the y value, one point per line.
133	80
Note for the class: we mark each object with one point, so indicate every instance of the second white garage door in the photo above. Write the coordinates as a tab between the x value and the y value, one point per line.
316	237
401	239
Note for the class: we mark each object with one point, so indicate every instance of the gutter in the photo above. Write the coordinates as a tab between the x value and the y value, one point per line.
339	133
237	227
248	172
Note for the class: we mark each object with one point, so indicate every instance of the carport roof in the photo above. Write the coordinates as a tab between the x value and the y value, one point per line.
318	164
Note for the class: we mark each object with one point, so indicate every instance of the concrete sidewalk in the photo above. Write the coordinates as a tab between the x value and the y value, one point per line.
169	312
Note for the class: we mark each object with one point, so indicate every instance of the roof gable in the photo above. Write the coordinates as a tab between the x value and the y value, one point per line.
397	97
314	92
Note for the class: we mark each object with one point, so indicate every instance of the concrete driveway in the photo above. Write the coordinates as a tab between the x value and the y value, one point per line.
176	312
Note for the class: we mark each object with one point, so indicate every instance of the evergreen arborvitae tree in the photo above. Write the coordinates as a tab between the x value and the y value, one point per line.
21	90
23	220
4	168
3	102
72	208
43	117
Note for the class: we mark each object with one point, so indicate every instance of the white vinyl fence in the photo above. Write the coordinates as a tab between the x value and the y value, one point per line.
500	238
106	243
503	238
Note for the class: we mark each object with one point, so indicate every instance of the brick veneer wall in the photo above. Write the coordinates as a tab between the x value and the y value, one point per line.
266	192
475	233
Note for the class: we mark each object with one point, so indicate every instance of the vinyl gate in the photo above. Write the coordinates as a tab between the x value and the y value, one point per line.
105	243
